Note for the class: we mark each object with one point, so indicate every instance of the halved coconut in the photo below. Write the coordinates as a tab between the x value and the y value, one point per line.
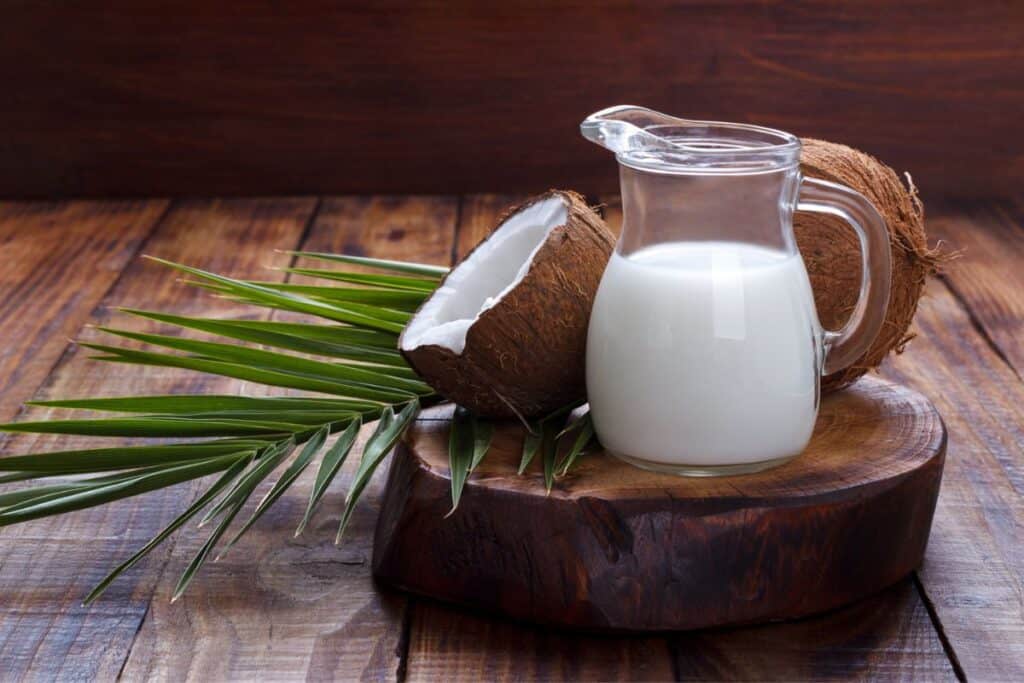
505	333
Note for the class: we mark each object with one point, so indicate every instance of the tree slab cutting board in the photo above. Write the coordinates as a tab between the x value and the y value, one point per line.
616	547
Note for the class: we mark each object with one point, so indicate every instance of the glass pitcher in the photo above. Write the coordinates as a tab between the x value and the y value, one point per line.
704	351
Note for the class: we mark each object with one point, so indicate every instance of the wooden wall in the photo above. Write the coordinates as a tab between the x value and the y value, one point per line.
201	98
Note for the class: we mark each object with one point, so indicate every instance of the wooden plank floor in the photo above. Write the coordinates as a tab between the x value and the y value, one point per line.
283	608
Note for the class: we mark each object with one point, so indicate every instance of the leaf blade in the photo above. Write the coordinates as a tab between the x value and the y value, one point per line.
264	465
209	403
549	452
281	485
273	360
483	431
460	453
392	282
585	427
122	457
424	269
329	467
389	429
151	427
407	300
229	475
275	332
253	374
106	492
531	444
281	300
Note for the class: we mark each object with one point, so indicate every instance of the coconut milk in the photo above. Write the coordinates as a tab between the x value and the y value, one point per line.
704	354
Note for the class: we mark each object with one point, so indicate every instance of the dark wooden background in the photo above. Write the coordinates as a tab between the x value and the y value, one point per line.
120	98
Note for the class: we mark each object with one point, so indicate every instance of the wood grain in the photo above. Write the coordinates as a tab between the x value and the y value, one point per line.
48	566
460	645
125	98
619	548
987	275
60	259
445	642
877	639
279	607
973	573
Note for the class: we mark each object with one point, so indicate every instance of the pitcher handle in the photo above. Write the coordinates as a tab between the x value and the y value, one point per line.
844	346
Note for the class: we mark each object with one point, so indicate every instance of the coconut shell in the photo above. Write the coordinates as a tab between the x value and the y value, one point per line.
525	356
832	252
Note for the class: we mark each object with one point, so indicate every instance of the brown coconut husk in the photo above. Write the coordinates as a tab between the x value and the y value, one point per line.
832	252
524	357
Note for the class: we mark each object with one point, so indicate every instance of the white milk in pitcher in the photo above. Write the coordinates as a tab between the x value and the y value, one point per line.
704	354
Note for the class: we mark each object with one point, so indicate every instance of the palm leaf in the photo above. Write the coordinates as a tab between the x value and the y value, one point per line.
272	360
298	416
400	318
290	302
204	552
398	299
124	457
461	446
435	272
212	403
389	429
549	451
483	430
275	333
360	375
273	377
90	494
531	443
329	466
469	439
287	479
535	433
153	426
585	428
40	493
267	460
201	502
391	282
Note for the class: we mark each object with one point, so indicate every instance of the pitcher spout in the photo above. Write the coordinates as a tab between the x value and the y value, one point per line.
624	129
646	139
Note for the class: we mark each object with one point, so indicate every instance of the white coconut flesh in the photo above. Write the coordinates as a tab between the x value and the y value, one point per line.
493	270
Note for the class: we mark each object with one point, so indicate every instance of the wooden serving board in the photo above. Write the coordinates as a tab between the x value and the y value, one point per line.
616	547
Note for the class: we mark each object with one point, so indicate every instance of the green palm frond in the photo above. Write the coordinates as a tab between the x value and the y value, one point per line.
389	429
421	269
584	428
345	364
329	466
397	282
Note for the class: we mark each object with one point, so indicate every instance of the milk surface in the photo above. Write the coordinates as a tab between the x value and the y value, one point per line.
704	354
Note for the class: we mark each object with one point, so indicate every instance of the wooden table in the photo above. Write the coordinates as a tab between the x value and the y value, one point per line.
282	607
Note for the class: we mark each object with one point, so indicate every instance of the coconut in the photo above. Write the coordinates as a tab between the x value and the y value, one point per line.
831	250
505	332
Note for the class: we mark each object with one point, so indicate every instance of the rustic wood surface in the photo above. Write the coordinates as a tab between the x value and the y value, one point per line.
298	608
195	98
846	519
62	258
978	536
45	633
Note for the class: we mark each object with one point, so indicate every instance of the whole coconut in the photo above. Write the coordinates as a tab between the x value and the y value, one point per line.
832	252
